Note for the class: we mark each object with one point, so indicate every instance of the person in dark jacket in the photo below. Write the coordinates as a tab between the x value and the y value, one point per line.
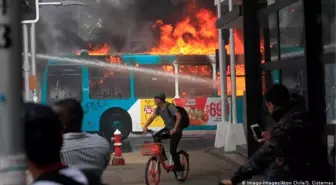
294	150
298	100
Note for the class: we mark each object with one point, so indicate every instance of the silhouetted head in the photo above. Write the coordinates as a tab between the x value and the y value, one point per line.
71	114
276	97
42	136
160	98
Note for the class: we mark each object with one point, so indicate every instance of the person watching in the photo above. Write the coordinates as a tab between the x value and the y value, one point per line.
80	149
294	150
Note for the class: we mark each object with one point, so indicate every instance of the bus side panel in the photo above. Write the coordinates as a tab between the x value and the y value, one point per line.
141	112
94	109
135	112
106	115
205	113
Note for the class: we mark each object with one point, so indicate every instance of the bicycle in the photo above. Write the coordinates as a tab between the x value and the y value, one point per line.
153	166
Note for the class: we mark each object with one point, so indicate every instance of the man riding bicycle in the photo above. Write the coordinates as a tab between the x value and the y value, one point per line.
172	129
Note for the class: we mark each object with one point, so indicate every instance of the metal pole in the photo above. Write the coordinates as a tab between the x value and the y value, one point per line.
222	64
33	47
12	158
51	3
33	55
79	22
177	92
233	72
26	61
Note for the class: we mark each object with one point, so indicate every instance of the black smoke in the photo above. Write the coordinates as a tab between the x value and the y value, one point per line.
125	25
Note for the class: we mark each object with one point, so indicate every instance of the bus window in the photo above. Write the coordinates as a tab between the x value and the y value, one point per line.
64	82
192	88
147	85
108	83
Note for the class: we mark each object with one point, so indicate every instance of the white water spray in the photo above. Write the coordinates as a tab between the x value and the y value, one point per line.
100	63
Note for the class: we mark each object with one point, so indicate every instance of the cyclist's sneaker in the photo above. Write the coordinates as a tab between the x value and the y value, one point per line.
179	174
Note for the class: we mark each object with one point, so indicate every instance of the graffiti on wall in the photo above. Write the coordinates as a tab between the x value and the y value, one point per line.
94	106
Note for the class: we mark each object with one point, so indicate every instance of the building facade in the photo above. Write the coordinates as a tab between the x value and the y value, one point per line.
290	42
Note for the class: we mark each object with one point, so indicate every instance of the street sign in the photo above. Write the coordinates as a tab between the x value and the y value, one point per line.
30	10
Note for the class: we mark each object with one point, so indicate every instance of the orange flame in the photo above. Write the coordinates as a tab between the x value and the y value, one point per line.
240	81
238	45
168	68
196	34
97	50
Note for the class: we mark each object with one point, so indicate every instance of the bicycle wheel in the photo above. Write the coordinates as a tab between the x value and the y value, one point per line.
153	171
184	160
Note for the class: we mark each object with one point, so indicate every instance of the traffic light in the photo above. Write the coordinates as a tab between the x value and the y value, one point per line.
30	11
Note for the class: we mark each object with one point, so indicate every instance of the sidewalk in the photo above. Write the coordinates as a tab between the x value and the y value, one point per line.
204	167
234	159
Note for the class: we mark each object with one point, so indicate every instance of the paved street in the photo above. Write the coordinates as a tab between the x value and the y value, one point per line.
204	167
133	144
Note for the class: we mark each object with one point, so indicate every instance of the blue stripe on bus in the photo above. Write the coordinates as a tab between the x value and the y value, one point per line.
201	127
148	59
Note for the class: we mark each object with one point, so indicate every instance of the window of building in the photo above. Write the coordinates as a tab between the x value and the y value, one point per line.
294	80
329	25
330	90
152	79
291	27
192	87
64	82
289	21
109	83
272	25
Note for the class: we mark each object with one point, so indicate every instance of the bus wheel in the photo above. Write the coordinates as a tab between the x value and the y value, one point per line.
113	119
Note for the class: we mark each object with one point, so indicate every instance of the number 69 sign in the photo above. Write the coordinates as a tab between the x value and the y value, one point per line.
214	109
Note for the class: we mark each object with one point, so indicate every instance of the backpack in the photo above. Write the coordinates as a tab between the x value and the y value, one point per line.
184	115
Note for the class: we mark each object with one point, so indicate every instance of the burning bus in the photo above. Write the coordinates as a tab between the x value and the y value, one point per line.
123	99
183	66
